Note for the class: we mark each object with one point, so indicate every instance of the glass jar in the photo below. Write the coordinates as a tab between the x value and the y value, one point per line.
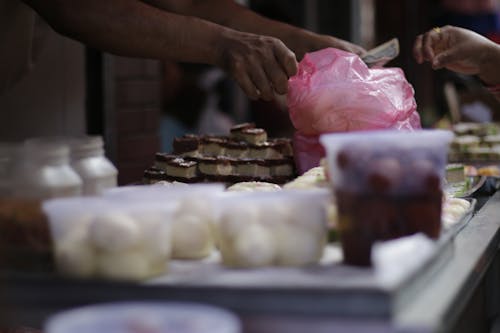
41	170
95	170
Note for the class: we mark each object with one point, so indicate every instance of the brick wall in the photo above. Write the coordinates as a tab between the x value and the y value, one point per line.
137	108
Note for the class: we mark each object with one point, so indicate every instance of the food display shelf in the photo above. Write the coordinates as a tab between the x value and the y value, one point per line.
329	288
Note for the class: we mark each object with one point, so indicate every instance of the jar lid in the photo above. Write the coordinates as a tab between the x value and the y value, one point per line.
86	144
54	148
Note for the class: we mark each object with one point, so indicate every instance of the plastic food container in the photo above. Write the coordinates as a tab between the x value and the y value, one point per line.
274	228
193	219
387	185
93	237
144	317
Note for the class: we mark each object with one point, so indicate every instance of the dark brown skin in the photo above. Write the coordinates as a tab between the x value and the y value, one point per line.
260	54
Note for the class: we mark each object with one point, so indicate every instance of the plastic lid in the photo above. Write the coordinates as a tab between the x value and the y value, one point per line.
87	145
54	149
144	317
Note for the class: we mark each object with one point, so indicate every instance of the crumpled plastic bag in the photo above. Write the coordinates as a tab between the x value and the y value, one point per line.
307	151
334	91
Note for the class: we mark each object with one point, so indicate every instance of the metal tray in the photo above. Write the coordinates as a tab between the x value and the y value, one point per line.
329	288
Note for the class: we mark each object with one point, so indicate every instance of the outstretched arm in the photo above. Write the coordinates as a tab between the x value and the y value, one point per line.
261	65
229	13
460	50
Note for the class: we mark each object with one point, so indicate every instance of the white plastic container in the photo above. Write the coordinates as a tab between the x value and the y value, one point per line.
41	170
194	217
144	317
95	237
286	228
95	170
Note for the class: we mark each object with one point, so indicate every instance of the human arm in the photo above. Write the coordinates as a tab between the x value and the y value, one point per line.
460	50
229	13
261	65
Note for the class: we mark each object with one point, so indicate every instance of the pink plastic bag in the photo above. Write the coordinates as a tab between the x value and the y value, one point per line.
307	151
334	91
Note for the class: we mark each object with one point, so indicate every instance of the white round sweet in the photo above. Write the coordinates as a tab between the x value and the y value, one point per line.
191	237
196	205
74	255
460	202
271	214
294	247
157	233
235	217
254	247
254	187
114	232
309	216
64	226
130	265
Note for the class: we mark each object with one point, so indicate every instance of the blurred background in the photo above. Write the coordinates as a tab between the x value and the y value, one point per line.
140	105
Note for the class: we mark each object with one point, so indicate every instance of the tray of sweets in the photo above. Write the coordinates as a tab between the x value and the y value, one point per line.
328	288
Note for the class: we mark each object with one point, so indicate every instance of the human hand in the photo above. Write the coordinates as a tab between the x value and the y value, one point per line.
456	49
260	64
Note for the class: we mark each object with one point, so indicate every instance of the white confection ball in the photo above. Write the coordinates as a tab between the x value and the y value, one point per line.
454	211
271	214
235	218
74	254
297	184
254	187
115	232
196	205
254	247
227	252
127	265
157	232
459	202
65	226
295	246
191	237
447	220
309	216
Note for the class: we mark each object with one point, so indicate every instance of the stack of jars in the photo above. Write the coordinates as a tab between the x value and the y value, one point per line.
44	168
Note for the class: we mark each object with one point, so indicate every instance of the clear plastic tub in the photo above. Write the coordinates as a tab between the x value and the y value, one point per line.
144	317
273	228
174	191
387	185
95	237
194	217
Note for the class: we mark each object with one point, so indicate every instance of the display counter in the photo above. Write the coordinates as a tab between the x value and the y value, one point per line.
459	290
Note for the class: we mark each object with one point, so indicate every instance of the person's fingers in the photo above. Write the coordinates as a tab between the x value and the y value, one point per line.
428	42
417	49
260	79
246	84
356	49
286	58
278	77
